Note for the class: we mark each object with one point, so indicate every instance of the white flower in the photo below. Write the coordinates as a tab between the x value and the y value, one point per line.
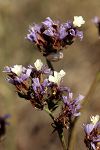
78	21
38	64
95	119
17	69
57	77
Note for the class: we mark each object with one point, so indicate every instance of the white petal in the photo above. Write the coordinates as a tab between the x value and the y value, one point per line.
56	74
78	21
62	73
17	69
57	77
38	64
51	78
95	119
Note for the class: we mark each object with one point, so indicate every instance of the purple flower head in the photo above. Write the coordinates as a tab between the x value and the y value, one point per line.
70	110
73	105
20	77
31	83
92	133
45	91
52	36
17	74
39	92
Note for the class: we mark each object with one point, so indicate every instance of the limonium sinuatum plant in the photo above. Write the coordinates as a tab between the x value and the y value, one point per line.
44	88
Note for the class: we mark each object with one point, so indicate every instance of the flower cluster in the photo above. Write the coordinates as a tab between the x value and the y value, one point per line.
52	36
43	88
92	133
37	84
3	123
70	110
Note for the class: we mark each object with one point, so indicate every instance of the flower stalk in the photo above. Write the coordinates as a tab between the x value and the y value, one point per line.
59	130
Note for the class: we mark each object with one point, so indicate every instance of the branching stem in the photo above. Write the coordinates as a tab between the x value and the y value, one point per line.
60	131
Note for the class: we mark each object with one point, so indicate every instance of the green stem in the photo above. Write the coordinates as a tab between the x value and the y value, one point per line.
50	113
60	131
62	139
69	136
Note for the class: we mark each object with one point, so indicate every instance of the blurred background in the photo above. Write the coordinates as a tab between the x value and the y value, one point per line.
30	129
